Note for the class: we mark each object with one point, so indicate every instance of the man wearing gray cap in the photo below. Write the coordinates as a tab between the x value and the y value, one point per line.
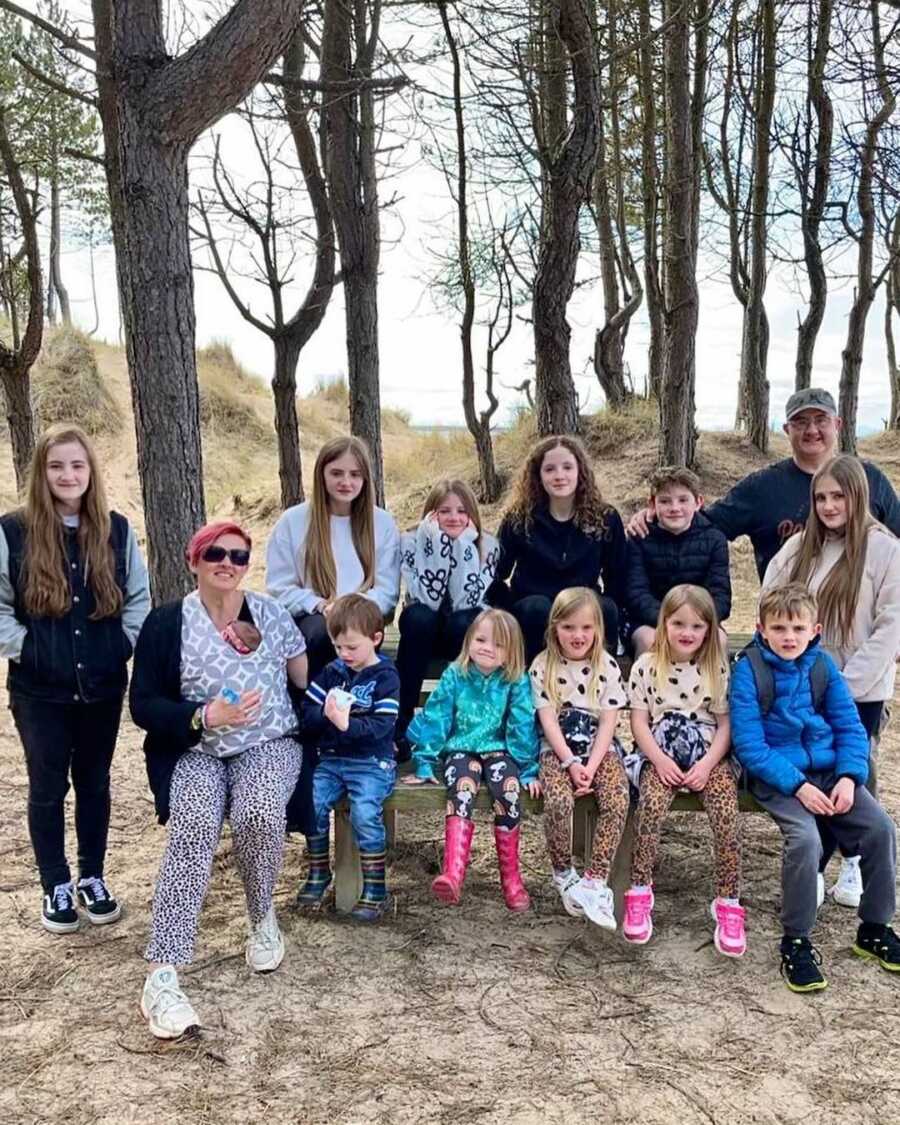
771	505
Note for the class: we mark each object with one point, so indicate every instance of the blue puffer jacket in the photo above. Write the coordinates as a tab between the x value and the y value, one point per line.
794	739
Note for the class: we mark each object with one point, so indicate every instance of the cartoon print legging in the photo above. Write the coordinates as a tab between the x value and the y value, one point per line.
463	774
720	800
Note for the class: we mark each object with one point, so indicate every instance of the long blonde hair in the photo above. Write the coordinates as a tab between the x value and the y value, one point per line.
507	635
47	591
566	603
710	658
839	593
318	565
446	487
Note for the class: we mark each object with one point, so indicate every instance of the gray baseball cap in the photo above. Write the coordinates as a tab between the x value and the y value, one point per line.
811	398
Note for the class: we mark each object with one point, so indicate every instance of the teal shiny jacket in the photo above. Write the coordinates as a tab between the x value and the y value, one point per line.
478	713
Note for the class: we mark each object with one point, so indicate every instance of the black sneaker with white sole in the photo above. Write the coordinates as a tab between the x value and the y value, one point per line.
59	913
100	905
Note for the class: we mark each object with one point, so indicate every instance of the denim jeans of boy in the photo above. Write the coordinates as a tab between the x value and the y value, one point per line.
368	782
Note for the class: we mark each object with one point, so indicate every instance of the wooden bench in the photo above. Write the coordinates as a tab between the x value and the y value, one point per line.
432	799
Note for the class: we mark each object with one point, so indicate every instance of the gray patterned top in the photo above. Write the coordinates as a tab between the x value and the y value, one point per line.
209	664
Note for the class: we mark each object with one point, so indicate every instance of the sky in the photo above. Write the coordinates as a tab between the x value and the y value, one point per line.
420	348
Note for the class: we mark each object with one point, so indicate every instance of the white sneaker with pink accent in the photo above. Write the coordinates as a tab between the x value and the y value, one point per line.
730	938
638	924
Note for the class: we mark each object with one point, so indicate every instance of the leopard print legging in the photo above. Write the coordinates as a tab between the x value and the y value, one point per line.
252	788
721	803
610	789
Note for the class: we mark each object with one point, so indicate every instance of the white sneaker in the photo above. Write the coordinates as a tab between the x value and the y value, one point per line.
265	945
820	889
165	1006
596	899
564	881
848	889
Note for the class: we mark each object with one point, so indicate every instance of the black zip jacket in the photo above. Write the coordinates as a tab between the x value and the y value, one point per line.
553	555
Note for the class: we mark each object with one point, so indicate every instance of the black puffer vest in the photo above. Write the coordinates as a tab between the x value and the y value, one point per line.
69	659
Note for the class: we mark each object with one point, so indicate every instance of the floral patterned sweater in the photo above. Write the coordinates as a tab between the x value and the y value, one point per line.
435	567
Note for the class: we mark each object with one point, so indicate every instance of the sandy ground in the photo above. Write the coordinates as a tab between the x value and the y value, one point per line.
437	1015
465	1015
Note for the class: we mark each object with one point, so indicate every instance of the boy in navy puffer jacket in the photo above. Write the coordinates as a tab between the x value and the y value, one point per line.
808	758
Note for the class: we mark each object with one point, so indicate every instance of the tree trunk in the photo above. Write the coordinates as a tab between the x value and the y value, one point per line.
350	171
891	305
812	203
153	107
284	391
676	413
755	335
19	417
650	199
479	427
865	284
568	165
56	282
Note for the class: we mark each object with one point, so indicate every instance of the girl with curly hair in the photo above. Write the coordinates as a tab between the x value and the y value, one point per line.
558	532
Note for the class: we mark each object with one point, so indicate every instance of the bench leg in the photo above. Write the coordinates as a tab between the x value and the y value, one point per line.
620	876
391	825
347	869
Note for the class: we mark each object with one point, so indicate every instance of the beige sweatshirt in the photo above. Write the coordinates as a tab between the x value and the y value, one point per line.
869	660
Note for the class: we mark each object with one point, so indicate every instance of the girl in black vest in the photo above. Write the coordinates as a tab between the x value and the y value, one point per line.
73	596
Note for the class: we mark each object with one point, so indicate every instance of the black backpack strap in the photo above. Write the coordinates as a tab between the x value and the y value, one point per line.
818	682
762	676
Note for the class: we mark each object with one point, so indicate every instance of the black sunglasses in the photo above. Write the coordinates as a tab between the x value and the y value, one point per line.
239	556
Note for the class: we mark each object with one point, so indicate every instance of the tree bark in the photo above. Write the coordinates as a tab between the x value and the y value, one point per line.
16	362
650	199
813	200
568	163
865	283
56	282
892	305
678	436
347	53
479	425
755	335
284	392
616	260
153	108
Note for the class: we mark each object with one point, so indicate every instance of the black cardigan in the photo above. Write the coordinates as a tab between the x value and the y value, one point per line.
156	703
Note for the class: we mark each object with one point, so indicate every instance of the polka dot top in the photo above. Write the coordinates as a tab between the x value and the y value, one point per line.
682	692
574	676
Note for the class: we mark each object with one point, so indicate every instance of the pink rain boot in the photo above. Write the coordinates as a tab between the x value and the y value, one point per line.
507	841
458	832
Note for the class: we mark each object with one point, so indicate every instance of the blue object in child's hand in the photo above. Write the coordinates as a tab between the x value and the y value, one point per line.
230	695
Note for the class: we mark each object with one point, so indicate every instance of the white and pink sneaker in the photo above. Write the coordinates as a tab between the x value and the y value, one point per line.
638	924
730	938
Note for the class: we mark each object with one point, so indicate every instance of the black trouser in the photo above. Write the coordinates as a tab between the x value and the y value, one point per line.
533	612
425	633
463	773
319	652
870	717
59	738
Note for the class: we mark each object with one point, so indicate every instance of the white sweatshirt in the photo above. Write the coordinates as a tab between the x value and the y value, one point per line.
286	549
434	566
868	662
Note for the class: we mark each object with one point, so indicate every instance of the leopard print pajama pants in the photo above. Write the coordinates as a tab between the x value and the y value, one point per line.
252	789
611	792
721	803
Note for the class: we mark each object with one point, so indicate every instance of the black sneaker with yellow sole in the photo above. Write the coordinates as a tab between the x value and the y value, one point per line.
878	943
800	965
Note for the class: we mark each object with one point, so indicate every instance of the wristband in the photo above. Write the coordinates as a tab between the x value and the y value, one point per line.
203	716
571	761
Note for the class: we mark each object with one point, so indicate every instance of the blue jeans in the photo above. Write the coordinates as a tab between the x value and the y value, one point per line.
368	782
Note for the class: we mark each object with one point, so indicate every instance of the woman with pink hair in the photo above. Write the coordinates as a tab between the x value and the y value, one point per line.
210	688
